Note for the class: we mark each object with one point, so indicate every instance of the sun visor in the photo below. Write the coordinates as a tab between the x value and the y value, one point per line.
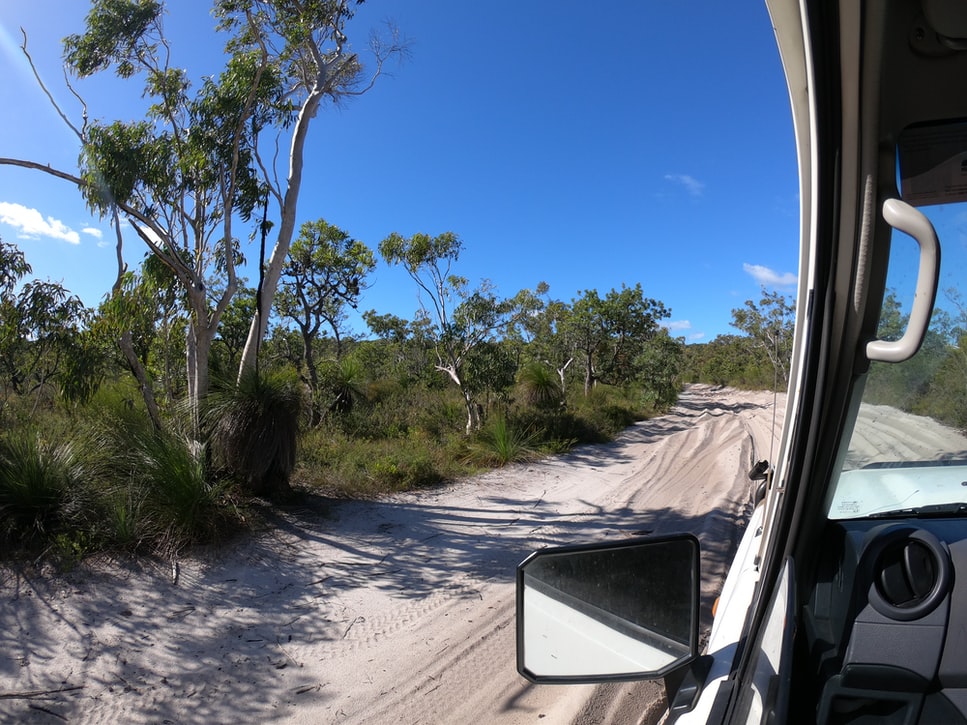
933	164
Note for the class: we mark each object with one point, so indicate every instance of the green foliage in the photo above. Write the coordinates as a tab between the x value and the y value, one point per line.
610	333
934	381
489	369
42	341
459	323
119	158
659	366
253	428
500	443
361	468
234	325
768	325
539	387
153	487
325	272
608	411
115	29
728	360
13	268
83	370
38	479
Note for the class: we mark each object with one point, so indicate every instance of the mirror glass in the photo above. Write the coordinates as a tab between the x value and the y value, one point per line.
602	612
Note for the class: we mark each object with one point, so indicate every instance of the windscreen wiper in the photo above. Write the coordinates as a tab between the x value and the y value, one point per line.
930	511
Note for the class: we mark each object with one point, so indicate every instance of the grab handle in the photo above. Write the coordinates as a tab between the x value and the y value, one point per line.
905	218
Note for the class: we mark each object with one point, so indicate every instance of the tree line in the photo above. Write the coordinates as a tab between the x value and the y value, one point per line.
474	379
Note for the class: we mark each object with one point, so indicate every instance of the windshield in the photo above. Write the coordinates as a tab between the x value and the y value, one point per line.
907	452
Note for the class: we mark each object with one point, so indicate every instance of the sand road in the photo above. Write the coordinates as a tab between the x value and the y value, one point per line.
394	611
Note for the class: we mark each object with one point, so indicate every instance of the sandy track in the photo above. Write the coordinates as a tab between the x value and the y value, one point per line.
396	611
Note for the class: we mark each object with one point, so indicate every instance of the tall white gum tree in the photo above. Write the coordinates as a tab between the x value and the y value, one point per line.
194	167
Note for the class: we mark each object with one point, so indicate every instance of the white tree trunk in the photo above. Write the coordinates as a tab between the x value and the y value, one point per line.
273	270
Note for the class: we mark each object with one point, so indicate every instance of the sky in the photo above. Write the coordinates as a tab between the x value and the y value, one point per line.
585	146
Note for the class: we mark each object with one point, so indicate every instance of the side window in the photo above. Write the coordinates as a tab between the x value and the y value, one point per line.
907	448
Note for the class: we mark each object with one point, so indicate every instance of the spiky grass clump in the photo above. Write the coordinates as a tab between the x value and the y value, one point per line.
254	429
174	499
500	443
539	387
155	487
37	481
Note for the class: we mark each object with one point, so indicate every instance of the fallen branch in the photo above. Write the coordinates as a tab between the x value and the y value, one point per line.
37	693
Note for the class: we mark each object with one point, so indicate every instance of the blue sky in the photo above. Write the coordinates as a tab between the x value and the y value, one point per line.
632	142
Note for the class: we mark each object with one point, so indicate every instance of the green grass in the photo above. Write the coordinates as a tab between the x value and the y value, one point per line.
39	485
154	489
332	462
500	443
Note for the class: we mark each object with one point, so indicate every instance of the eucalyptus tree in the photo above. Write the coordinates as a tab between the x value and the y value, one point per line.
307	43
406	343
553	340
193	170
326	272
461	319
659	367
769	325
610	332
13	267
41	324
127	317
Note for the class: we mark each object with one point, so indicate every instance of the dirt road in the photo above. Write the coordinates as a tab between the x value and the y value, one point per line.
396	611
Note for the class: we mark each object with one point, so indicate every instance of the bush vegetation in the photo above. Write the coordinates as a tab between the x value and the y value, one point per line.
98	475
104	448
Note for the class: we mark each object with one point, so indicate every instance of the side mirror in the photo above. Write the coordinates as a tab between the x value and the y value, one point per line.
606	612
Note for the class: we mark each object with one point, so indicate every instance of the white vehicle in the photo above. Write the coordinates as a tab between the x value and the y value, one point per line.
847	599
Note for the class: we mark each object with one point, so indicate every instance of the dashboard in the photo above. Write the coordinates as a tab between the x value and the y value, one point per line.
884	628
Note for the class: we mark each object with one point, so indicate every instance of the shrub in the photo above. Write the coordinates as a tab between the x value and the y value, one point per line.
37	481
539	387
153	489
254	429
500	443
361	468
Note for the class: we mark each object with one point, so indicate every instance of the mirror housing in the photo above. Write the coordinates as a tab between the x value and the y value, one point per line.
608	612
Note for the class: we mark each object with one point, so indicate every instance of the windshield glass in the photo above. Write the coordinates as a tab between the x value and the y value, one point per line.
907	450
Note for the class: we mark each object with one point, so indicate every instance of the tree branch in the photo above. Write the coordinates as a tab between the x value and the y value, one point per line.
43	87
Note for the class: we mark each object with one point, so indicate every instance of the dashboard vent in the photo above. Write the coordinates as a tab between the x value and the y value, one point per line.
911	576
908	573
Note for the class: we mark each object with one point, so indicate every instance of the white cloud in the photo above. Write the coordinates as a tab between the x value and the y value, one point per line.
677	325
691	184
98	235
769	277
696	337
31	224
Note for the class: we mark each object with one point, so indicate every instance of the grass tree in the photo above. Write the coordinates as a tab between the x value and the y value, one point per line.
253	428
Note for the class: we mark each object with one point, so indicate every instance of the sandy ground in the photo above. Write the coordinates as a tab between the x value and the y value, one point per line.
395	611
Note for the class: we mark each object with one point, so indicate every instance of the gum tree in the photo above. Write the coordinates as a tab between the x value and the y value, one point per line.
326	272
41	325
769	325
194	171
610	332
461	319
